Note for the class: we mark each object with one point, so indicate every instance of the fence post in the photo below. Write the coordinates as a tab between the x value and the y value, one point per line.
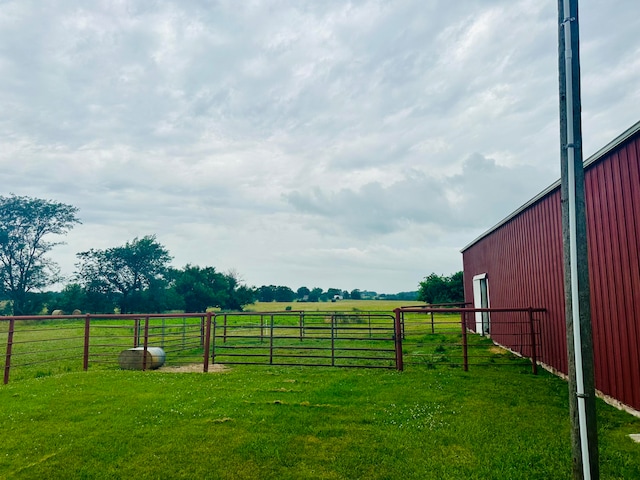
432	324
184	331
397	334
224	329
465	352
146	343
85	356
534	356
136	332
7	361
207	342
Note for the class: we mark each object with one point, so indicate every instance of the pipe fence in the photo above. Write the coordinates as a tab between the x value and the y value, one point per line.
447	336
46	345
425	336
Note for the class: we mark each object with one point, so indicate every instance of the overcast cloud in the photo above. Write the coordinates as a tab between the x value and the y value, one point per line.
321	143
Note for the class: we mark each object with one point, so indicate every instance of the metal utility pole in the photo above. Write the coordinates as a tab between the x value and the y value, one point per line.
574	232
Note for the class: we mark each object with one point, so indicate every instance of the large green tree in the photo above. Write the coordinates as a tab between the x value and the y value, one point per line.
71	297
271	293
267	293
314	294
200	288
25	225
303	293
132	274
239	294
284	294
435	289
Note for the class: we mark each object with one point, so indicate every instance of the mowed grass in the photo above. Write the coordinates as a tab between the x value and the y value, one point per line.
293	423
430	421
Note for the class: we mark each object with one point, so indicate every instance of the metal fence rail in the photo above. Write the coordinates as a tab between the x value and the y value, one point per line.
436	336
426	336
303	338
51	344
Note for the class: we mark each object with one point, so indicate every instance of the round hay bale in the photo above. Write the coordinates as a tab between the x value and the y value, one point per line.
57	312
133	358
76	312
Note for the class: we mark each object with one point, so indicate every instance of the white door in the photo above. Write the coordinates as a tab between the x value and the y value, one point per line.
481	300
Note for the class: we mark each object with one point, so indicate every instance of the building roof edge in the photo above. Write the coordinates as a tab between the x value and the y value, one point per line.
609	147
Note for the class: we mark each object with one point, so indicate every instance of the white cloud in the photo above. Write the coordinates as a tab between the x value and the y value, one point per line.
354	145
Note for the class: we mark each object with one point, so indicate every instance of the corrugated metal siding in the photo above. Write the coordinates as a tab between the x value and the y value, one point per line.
523	262
613	220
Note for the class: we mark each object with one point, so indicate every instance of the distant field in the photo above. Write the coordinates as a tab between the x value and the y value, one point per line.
337	306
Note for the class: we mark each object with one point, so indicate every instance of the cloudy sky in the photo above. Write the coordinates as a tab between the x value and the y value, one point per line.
322	143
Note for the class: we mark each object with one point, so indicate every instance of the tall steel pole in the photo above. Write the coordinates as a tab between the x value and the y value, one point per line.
574	231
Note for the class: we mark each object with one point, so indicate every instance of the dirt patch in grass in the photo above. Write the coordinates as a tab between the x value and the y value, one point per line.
192	368
498	350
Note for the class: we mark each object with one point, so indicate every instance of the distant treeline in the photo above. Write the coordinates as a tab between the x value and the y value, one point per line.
136	277
280	293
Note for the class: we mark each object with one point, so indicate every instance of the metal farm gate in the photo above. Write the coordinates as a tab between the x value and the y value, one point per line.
334	339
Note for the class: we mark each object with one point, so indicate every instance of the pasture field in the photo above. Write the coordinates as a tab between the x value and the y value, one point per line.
352	338
252	422
339	305
432	421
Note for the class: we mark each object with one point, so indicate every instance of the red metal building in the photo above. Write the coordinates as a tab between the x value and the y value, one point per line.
518	263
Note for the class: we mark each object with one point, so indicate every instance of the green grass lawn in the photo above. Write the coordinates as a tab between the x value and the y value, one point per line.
430	421
291	422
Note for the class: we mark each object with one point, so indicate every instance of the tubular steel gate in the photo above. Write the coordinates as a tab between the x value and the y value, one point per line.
335	339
